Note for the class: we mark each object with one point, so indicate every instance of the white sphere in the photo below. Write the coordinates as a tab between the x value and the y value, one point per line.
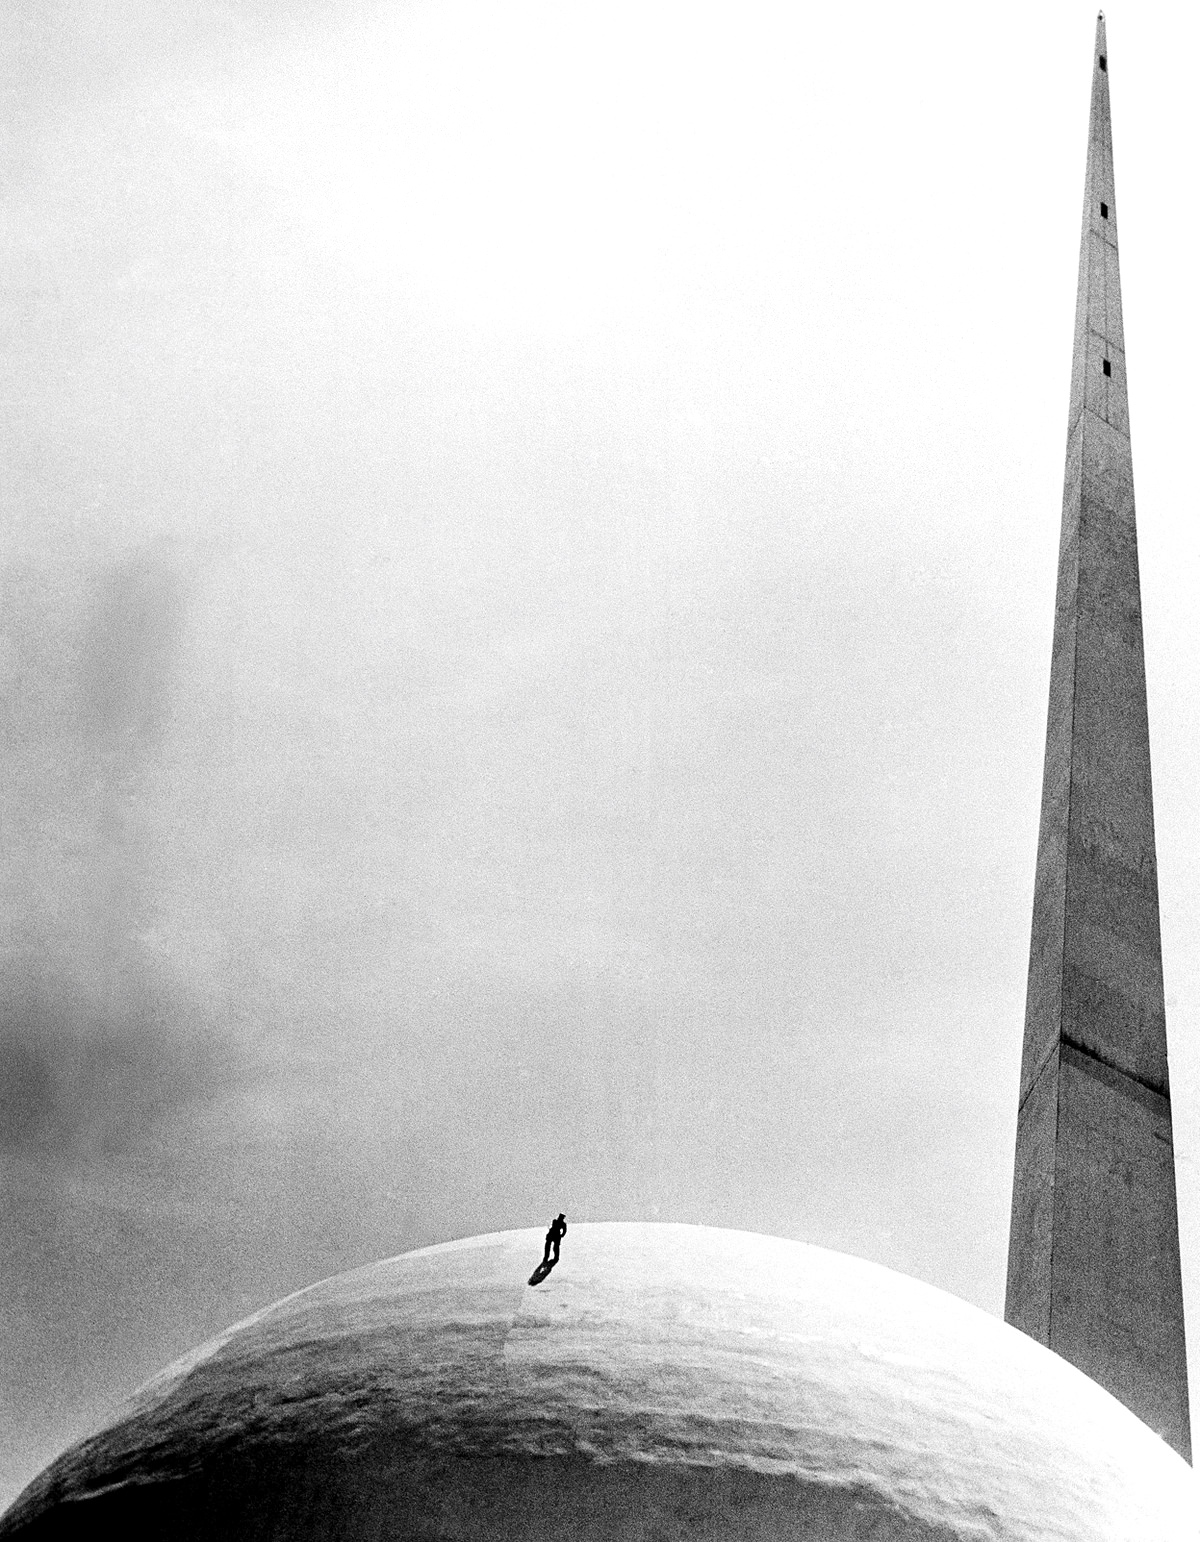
663	1382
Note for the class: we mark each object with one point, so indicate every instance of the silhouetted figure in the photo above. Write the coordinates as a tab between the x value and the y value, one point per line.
558	1230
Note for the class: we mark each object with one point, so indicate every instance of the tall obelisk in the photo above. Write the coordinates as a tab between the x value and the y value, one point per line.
1093	1262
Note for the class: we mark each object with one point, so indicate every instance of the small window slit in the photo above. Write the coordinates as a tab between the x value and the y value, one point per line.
1108	366
1103	211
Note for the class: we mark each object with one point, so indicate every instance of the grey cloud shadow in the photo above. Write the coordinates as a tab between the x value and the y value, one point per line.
128	649
97	1049
81	1082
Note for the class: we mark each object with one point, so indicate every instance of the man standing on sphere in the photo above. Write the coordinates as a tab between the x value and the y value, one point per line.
558	1230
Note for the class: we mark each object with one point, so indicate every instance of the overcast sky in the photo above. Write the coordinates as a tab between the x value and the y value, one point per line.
527	583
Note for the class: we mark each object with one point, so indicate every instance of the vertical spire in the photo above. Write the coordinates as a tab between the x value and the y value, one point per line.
1093	1266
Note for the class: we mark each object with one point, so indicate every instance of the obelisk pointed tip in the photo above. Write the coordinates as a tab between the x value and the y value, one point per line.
1101	59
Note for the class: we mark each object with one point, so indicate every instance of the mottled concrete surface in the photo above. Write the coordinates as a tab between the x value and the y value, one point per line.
665	1381
1094	1250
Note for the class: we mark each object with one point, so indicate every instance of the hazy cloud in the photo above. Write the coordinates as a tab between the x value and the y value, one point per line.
128	650
98	1045
81	1081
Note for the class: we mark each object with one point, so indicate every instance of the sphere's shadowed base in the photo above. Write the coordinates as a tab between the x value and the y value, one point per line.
352	1499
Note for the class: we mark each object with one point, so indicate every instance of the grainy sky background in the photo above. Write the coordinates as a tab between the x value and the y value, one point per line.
527	579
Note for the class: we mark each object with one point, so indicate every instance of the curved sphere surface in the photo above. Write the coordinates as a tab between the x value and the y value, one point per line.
663	1382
